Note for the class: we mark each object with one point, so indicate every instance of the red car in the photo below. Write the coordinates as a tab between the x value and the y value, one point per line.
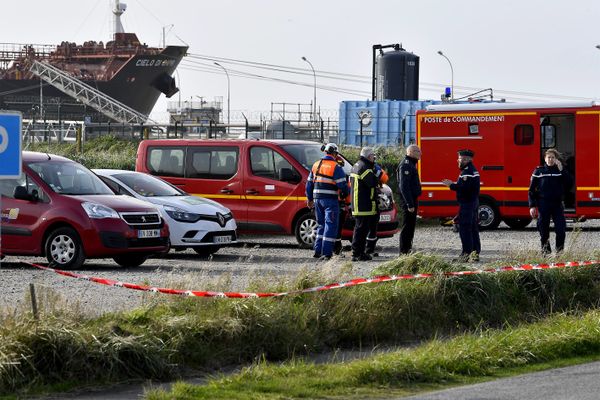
60	209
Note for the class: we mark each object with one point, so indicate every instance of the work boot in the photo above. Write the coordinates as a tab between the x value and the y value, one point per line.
362	257
463	258
474	257
317	255
325	258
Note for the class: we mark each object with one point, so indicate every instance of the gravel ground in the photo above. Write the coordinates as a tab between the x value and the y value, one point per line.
234	268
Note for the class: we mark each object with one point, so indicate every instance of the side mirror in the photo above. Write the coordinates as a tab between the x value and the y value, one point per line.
288	175
21	193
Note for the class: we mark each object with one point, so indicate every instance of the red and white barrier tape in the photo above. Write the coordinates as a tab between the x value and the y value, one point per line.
331	286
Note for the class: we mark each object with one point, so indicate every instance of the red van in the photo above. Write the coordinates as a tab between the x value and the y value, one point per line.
60	209
261	181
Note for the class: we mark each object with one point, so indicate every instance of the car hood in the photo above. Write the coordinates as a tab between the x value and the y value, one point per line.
118	203
198	205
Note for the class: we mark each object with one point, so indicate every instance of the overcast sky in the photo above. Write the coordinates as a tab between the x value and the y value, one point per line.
525	46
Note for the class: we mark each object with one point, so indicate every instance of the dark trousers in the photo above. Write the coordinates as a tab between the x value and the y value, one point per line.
407	229
468	227
362	226
556	212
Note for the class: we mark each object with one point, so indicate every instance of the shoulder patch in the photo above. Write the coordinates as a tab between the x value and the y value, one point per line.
406	162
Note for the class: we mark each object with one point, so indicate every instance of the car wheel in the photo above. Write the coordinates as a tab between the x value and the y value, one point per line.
64	249
517	223
206	251
306	230
130	260
489	215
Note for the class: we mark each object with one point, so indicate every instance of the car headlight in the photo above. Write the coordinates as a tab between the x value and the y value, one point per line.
180	215
95	210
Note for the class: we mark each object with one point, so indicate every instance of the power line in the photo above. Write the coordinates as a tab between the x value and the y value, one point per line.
513	94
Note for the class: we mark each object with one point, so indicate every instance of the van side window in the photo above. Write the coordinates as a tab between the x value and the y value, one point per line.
166	161
523	135
266	163
212	162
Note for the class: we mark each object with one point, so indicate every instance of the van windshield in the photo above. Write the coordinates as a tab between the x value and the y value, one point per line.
69	178
308	154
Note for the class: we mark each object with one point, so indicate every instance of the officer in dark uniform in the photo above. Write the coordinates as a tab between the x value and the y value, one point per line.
363	202
325	183
410	190
546	193
467	195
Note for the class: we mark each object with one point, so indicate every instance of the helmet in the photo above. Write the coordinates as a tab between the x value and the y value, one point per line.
330	148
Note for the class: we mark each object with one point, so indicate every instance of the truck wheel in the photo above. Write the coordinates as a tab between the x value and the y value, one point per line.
489	215
306	230
130	260
206	251
64	249
517	223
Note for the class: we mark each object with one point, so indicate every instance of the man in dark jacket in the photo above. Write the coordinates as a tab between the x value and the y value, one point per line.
549	183
363	202
410	190
467	194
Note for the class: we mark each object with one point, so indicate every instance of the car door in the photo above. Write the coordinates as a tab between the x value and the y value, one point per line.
214	172
22	220
272	203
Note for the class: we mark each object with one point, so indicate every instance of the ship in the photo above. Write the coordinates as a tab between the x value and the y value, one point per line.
125	69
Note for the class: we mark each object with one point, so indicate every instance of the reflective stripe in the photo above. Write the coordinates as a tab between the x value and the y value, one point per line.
544	175
340	180
468	176
325	191
324	180
326	239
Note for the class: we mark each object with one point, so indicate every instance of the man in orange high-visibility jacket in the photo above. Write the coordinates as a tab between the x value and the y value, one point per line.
326	181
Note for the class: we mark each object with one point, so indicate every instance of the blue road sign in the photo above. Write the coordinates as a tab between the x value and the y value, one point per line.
10	144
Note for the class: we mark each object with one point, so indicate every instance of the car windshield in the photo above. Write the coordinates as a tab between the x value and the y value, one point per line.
309	153
67	177
148	185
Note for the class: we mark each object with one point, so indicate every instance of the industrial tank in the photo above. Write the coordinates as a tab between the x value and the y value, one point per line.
396	74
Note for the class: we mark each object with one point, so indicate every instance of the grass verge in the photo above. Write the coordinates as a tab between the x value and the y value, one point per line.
556	341
171	334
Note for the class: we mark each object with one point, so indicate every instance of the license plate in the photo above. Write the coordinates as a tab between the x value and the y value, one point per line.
385	218
222	239
148	233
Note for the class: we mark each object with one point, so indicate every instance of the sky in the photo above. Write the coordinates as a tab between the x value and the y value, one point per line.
524	50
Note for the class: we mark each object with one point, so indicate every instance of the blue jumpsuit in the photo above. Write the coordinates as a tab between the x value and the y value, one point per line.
467	195
326	181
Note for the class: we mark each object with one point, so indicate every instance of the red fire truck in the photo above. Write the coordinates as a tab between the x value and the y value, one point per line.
509	140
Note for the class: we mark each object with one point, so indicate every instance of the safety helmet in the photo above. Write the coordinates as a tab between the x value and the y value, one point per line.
330	148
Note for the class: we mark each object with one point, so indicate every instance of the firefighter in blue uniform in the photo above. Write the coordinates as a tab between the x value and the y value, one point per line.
410	190
549	183
467	194
326	181
363	182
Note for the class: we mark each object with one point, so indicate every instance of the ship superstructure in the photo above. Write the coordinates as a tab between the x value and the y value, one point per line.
125	69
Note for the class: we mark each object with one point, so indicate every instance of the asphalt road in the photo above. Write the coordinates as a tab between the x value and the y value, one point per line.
579	382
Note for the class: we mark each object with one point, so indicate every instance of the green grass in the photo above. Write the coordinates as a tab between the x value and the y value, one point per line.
557	341
172	334
103	152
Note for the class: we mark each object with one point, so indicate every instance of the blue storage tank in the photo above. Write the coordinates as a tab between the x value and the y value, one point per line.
384	123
